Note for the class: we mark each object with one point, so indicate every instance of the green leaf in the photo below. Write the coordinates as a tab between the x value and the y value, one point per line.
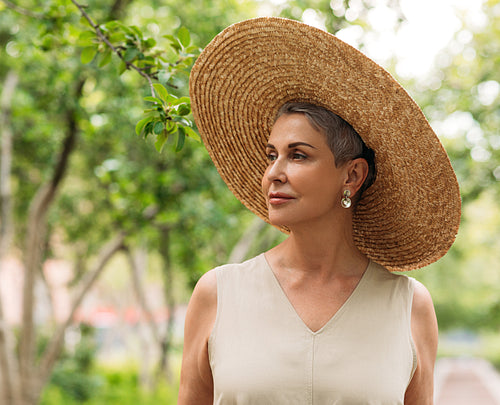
137	31
171	55
84	21
150	42
181	100
192	50
130	54
183	109
86	38
105	58
174	42
192	134
148	60
117	37
148	128
158	128
153	99
171	126
181	138
172	99
112	24
141	124
122	68
88	54
184	37
164	77
160	141
181	120
127	31
161	91
187	62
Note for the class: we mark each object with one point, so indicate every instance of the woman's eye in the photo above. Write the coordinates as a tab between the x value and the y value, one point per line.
271	157
298	156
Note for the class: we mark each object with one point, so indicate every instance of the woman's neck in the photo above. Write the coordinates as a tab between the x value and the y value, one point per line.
323	251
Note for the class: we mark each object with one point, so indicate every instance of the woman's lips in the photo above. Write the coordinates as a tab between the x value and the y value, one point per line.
279	198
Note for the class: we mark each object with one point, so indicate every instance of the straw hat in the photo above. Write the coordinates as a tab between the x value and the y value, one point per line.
409	217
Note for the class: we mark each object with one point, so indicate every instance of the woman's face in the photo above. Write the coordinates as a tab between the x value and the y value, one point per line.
301	183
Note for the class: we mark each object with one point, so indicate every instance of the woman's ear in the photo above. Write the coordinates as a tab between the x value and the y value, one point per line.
357	170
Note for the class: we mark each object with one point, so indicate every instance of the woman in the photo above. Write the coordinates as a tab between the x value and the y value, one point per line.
296	122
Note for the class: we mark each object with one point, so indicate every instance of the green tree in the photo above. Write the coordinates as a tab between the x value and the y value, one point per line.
465	106
465	109
79	172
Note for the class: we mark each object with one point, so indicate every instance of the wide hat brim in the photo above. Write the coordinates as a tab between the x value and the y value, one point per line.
409	217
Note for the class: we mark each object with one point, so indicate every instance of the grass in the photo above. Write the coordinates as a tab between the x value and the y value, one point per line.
109	385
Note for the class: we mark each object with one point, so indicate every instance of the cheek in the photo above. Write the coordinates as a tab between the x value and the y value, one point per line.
325	187
264	182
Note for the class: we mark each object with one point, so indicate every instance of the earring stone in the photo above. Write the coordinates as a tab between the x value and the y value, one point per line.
346	201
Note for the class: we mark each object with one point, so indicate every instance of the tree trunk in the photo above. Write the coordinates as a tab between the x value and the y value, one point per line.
137	263
141	296
32	378
164	367
36	233
9	384
6	225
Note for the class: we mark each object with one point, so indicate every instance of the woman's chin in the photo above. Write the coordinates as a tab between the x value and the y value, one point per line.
280	221
277	221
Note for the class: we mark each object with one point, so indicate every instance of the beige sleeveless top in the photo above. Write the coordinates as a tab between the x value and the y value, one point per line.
261	352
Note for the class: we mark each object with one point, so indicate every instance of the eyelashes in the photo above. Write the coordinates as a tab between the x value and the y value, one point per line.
271	157
293	155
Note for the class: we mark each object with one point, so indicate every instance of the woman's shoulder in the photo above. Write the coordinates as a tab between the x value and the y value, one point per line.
423	307
420	298
206	287
382	275
242	269
204	295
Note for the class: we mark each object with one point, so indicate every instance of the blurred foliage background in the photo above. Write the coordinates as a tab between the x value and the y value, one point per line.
136	228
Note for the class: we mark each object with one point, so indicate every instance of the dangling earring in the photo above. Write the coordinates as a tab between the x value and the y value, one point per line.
346	201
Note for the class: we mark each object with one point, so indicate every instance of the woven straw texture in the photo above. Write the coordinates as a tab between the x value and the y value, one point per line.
409	217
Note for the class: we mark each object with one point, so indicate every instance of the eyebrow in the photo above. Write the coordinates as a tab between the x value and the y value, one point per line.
292	145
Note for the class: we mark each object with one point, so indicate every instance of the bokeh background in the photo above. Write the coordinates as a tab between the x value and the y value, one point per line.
103	237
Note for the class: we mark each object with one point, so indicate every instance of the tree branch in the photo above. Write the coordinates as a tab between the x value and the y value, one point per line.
117	51
240	250
23	11
117	9
56	344
141	297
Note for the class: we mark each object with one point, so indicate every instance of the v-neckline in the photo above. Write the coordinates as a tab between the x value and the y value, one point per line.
336	315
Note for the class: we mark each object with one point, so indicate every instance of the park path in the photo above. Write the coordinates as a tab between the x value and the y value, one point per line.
466	381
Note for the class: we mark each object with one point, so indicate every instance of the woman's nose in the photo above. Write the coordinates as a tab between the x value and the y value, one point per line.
277	171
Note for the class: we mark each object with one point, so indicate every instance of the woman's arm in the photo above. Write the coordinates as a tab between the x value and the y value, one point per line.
196	386
424	331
